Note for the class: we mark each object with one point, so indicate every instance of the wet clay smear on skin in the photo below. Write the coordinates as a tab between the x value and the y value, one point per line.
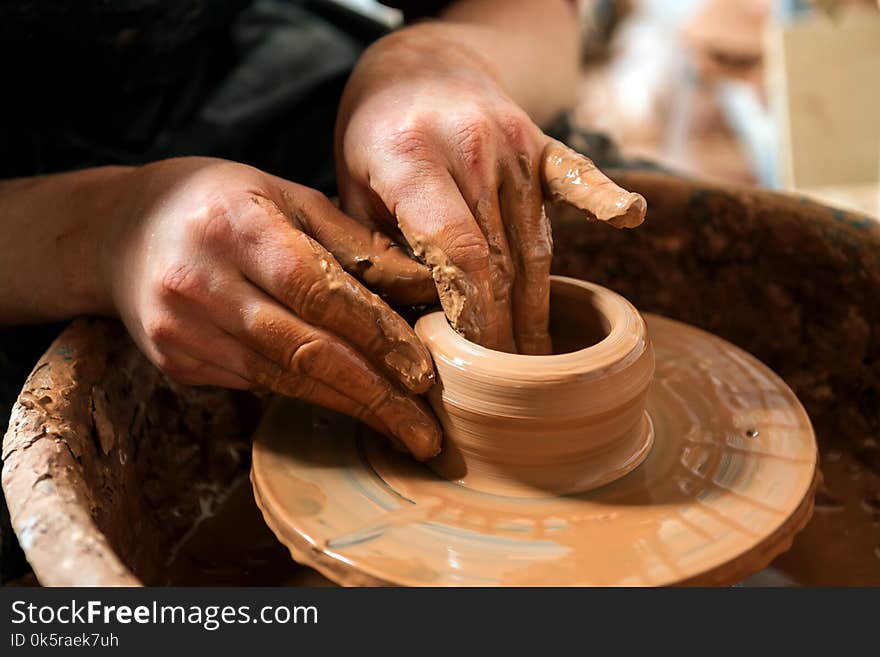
571	178
456	292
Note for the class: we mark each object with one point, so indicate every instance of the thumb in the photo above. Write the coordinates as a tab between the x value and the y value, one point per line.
368	255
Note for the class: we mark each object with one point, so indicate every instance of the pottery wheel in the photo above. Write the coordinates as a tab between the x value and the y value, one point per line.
728	482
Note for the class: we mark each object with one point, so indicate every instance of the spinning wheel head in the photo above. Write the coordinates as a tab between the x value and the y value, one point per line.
727	483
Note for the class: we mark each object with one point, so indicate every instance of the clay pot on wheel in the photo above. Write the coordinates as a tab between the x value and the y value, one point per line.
533	426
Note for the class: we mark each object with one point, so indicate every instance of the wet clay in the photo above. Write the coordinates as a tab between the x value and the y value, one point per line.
571	178
324	295
545	425
726	485
458	294
743	263
369	255
330	340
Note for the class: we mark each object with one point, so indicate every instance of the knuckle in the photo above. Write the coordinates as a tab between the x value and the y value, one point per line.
312	277
379	397
468	251
308	201
211	224
312	299
301	358
159	331
162	330
292	271
313	196
472	140
219	168
537	260
182	280
410	141
516	130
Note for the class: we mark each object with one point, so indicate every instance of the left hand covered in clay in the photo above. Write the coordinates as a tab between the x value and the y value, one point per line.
428	142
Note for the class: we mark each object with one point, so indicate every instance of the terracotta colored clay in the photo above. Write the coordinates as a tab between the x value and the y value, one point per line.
107	466
542	425
571	178
727	483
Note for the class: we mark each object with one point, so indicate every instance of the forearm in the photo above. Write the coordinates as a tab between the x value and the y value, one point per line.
532	45
50	238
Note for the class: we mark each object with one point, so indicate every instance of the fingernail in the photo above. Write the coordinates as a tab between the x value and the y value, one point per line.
635	210
420	378
423	438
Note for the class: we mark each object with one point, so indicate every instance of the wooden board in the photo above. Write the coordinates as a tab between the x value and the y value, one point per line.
823	76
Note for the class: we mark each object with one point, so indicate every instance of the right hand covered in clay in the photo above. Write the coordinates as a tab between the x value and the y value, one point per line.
429	141
229	276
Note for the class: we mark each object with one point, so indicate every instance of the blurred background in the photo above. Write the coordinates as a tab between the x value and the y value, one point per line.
780	93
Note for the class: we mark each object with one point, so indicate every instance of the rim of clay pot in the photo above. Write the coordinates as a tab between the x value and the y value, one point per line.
627	328
482	371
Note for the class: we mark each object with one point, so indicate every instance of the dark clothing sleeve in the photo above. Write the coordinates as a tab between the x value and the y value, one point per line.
98	82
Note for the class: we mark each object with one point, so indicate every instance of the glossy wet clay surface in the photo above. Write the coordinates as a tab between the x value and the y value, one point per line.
534	426
726	485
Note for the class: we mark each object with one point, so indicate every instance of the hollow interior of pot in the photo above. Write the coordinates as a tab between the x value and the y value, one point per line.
575	319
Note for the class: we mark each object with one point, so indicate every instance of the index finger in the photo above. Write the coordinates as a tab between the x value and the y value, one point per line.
369	255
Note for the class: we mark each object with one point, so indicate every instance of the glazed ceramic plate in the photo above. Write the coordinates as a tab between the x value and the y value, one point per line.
728	482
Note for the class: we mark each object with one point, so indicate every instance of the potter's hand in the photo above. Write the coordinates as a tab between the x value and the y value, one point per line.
429	141
229	276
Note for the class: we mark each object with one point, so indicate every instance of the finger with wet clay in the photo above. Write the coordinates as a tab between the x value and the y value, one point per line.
199	355
297	271
479	188
571	178
442	232
186	369
269	376
529	234
301	354
369	255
